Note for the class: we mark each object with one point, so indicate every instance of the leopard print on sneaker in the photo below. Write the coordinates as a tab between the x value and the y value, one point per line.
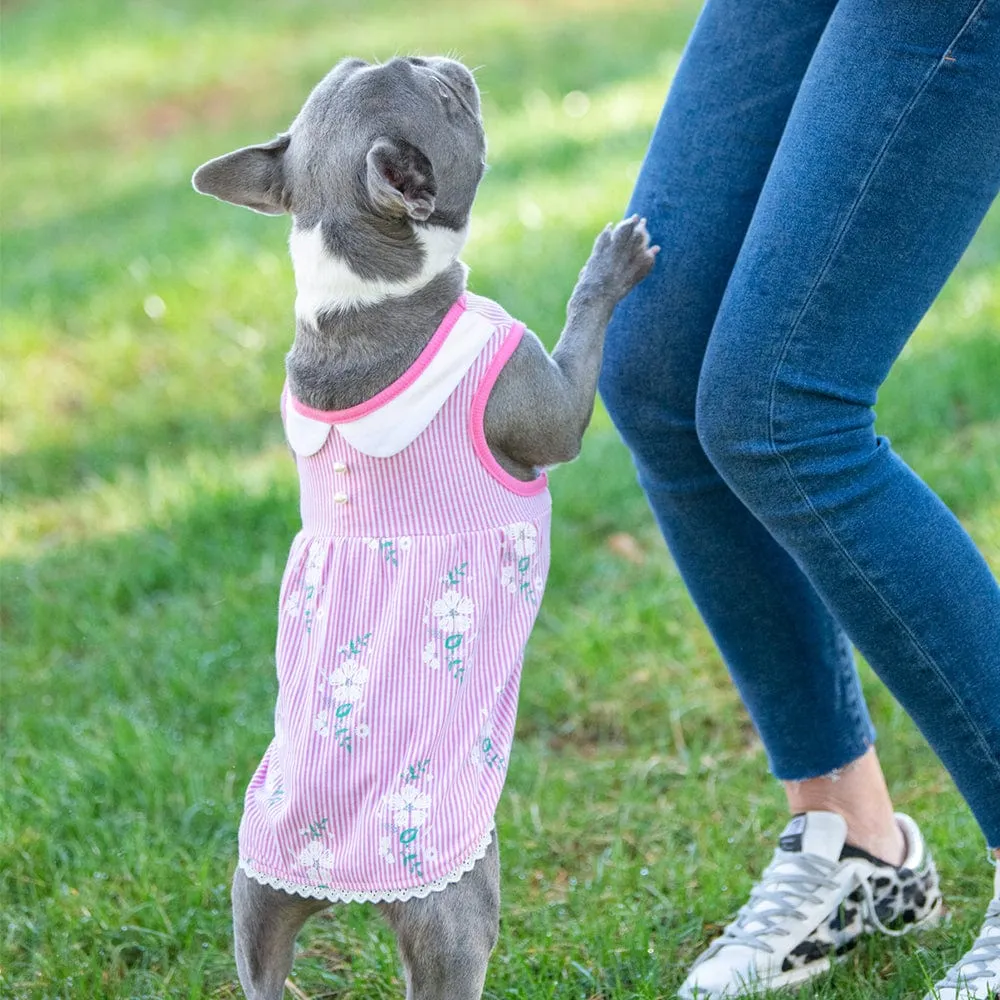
900	897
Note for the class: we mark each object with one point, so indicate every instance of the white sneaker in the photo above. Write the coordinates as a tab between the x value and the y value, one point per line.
977	974
814	902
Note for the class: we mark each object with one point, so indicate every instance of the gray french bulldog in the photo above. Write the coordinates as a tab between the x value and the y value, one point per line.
379	171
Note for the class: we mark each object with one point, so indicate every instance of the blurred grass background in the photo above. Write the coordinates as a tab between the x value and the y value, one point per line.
148	502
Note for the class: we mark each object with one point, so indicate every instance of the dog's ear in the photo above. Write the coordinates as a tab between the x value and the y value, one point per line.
400	179
253	176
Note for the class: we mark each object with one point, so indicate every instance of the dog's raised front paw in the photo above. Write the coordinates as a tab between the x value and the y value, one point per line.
621	258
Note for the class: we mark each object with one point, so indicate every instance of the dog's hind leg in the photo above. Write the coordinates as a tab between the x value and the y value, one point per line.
445	940
265	924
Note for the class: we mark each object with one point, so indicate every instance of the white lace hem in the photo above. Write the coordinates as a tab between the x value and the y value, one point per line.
335	895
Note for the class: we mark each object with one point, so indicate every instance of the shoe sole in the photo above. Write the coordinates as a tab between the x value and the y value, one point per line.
780	982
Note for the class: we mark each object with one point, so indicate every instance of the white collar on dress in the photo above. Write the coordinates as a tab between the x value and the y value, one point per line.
387	430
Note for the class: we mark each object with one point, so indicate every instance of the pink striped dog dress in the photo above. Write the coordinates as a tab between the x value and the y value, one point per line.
405	607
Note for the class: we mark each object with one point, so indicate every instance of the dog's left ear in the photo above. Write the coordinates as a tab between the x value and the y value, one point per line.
253	176
400	179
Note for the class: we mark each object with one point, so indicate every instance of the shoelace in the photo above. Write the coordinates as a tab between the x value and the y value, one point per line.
791	890
785	891
975	964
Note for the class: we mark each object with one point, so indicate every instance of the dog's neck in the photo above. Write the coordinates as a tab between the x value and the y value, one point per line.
357	333
340	269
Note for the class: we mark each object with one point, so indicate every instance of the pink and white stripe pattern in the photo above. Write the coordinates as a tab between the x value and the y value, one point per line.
406	603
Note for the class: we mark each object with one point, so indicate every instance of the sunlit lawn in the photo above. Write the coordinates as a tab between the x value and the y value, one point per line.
149	502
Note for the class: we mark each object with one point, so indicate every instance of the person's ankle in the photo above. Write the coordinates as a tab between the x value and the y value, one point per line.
888	845
857	791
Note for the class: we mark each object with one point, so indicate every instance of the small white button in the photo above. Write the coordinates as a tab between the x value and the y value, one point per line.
340	498
339	467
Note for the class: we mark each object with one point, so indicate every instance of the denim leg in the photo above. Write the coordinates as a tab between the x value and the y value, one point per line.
698	186
889	161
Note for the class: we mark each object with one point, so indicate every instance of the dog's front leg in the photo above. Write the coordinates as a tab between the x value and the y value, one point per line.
541	405
620	259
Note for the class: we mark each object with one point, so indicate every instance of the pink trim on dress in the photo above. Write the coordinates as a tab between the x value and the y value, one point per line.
478	412
392	390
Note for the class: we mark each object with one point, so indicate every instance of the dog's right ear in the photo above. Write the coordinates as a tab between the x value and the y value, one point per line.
253	176
400	179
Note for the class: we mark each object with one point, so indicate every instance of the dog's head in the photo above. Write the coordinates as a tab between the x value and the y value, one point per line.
379	171
402	141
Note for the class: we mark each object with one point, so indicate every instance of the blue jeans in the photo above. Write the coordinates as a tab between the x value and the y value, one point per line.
819	167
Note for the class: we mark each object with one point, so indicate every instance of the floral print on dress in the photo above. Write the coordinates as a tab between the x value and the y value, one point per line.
314	563
316	855
390	548
430	657
453	612
450	636
303	603
272	795
492	757
385	850
517	575
355	645
455	575
408	811
348	681
523	535
311	611
485	753
409	806
414	772
343	691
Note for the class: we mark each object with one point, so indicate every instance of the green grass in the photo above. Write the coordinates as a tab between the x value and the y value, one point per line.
148	504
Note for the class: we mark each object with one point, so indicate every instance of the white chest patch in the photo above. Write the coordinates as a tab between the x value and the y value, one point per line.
387	430
325	283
